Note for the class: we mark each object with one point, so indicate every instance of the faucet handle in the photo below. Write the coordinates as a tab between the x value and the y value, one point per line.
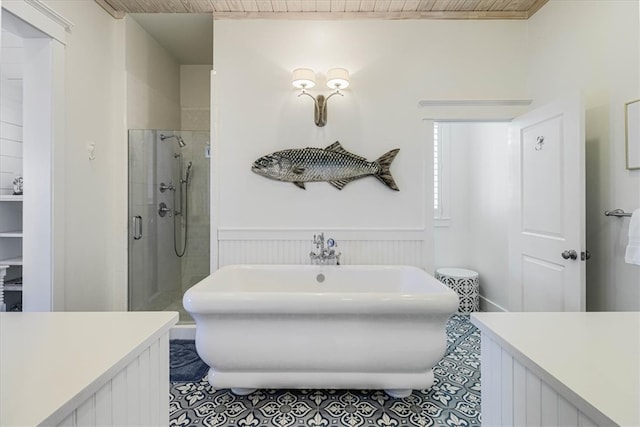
331	243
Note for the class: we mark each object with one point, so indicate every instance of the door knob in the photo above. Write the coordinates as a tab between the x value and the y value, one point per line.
570	254
585	255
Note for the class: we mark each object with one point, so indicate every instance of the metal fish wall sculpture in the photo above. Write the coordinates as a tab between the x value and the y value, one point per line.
333	164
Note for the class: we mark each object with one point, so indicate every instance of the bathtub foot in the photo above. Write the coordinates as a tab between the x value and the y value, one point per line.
398	393
242	391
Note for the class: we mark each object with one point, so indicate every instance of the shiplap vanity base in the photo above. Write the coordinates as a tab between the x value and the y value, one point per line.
560	369
85	369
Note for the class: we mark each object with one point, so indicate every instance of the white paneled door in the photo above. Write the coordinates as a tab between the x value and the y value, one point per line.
547	218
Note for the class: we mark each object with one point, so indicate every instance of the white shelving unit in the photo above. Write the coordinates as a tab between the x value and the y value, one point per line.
10	242
11	234
11	249
11	261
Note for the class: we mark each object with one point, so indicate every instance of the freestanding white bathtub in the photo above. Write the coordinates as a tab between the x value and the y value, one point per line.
309	326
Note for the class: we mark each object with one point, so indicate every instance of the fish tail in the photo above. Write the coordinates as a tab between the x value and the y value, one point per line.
384	175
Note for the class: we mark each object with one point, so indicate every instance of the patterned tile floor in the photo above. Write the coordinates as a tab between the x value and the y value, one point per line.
454	399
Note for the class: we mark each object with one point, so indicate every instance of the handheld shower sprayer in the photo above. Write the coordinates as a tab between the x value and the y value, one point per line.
188	174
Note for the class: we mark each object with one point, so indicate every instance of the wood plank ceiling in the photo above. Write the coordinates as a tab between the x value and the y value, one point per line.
332	9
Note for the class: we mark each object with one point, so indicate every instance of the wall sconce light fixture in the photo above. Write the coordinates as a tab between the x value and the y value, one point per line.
305	78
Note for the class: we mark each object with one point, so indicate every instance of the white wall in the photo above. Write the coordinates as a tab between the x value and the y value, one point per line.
153	82
451	234
195	96
94	96
593	47
393	66
475	236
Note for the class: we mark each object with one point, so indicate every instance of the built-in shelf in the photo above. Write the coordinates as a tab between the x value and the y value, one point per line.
17	233
13	288
11	261
10	198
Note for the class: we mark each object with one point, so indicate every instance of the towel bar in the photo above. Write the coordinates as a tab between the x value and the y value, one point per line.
617	212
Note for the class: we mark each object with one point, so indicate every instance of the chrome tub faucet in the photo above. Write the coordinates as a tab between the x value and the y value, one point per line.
324	255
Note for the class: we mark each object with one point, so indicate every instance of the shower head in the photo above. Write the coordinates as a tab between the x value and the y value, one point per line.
178	138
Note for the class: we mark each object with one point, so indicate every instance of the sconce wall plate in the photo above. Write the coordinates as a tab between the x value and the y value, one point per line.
304	78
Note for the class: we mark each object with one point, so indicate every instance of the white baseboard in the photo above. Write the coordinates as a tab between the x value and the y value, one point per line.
488	305
183	332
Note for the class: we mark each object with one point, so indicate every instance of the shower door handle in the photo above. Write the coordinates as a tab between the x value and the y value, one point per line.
137	227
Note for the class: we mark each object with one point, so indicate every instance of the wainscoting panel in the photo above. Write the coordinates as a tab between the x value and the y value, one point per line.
382	247
514	395
137	395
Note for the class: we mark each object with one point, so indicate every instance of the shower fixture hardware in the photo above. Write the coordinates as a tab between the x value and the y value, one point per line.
137	227
570	254
305	78
324	255
164	187
181	200
178	138
617	212
164	210
187	175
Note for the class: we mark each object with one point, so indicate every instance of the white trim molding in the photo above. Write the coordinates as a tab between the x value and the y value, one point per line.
308	233
40	16
488	305
51	14
470	110
474	102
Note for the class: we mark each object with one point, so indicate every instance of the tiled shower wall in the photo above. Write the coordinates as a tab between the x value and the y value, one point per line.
195	263
195	107
11	111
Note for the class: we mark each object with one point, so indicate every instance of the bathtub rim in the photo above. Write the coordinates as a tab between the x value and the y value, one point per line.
437	299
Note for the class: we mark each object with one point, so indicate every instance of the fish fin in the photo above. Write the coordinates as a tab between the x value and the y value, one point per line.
338	148
341	183
384	175
299	184
298	170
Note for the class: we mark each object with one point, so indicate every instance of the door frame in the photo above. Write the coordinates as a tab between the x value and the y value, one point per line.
44	205
468	110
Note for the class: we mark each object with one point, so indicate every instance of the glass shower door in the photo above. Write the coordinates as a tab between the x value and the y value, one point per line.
154	270
168	217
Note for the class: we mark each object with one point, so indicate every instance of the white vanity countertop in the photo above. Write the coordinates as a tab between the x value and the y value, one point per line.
591	358
51	363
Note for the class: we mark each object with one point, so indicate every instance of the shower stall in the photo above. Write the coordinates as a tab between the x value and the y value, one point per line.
168	217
